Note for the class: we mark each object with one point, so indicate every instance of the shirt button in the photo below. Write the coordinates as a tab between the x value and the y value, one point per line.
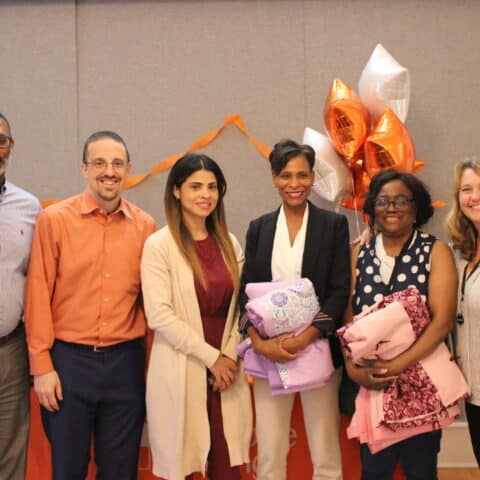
107	275
106	299
104	323
100	343
107	250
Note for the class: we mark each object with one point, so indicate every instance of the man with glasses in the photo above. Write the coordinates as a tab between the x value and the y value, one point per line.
18	213
85	322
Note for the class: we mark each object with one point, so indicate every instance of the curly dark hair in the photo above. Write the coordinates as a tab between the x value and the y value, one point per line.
420	194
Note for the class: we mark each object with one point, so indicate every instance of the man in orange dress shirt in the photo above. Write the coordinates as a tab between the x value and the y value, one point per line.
85	322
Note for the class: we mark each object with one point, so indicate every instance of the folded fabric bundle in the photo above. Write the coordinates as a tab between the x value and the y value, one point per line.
367	427
286	307
424	397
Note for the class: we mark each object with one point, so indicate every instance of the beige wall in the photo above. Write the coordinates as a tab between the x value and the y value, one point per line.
162	73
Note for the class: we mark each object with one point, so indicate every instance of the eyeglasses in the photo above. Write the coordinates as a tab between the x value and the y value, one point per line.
5	141
400	203
101	165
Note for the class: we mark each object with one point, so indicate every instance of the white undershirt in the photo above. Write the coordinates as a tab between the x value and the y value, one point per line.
287	259
387	263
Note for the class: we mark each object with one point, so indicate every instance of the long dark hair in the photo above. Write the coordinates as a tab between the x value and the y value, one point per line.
216	222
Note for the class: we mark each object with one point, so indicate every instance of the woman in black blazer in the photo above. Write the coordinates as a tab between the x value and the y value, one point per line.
298	240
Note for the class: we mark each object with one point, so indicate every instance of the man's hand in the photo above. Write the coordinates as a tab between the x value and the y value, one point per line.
224	371
49	390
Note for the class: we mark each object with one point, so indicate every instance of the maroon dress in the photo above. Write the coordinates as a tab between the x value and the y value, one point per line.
214	304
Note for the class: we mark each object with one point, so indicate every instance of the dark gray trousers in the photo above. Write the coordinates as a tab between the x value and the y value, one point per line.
14	407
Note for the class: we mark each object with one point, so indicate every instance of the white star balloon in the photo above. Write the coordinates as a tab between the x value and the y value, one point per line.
333	179
384	83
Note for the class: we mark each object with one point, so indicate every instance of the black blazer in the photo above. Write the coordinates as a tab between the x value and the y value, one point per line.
326	262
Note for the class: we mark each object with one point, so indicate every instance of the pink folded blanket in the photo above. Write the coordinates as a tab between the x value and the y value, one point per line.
424	396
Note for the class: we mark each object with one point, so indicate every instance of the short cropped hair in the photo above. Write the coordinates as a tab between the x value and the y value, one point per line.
285	150
103	134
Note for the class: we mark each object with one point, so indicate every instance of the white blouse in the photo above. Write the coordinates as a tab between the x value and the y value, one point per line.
467	334
387	263
287	259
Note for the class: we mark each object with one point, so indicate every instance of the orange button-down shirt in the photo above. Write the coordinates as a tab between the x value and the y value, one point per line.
83	282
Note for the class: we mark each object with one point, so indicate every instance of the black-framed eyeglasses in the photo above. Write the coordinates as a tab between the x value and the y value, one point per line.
400	203
5	141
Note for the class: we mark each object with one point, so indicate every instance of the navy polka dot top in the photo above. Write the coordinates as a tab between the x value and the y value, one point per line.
411	270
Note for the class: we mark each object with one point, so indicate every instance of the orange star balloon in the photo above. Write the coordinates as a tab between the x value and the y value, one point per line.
346	120
361	182
389	146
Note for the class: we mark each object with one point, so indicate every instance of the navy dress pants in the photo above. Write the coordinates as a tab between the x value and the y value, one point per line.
103	401
417	456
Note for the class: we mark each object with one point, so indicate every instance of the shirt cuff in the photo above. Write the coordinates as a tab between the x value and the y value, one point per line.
324	323
41	363
244	323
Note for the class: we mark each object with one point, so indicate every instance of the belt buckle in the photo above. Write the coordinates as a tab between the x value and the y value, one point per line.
98	349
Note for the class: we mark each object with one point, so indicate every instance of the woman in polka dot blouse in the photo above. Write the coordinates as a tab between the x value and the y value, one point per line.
463	224
399	256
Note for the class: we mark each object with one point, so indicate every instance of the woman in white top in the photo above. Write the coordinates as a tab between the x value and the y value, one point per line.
463	223
298	240
190	279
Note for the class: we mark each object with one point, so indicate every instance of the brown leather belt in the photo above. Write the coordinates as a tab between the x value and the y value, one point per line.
15	332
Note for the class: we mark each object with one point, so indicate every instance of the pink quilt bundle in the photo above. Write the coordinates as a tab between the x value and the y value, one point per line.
423	397
286	307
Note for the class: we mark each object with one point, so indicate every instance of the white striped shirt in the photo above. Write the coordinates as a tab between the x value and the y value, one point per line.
18	214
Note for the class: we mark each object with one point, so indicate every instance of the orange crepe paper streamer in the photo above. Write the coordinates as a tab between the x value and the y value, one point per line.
360	177
201	142
389	146
346	120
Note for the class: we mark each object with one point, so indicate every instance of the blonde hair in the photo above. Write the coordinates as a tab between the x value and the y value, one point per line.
461	229
216	222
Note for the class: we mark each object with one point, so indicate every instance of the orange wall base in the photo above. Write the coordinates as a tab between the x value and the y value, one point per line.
299	464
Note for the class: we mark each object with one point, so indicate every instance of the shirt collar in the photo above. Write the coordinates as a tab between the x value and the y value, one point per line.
89	205
3	188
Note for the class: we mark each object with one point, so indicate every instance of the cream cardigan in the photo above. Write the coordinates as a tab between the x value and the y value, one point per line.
176	399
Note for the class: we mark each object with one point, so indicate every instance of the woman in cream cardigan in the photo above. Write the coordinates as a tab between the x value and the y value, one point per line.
198	403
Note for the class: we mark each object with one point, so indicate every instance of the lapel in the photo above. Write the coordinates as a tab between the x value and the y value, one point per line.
313	240
266	244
